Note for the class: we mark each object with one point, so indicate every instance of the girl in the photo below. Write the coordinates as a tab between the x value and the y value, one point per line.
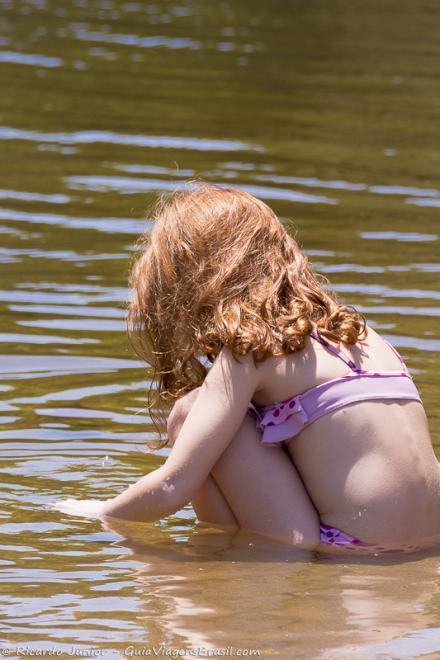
307	427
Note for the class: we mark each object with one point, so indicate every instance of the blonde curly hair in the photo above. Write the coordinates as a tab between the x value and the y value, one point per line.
220	269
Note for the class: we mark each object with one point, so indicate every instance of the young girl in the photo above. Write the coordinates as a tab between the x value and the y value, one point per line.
307	427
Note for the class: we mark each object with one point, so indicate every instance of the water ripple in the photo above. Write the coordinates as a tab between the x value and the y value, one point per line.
152	169
401	309
9	255
37	296
424	202
56	434
313	182
339	184
34	197
385	291
97	312
106	225
109	137
67	364
13	57
134	40
418	343
77	393
404	190
87	413
137	185
16	338
90	325
408	236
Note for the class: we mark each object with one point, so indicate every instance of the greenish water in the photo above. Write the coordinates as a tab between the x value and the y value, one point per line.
327	111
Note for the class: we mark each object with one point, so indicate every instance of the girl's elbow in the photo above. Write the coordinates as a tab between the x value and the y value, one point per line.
174	498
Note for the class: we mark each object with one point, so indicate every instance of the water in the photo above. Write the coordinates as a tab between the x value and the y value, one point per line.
330	113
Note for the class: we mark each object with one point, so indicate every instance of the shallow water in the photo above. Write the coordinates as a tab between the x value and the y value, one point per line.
329	112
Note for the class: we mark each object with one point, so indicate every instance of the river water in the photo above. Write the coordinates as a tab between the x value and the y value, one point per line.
327	111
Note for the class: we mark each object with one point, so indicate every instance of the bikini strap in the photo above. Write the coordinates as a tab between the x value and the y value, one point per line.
396	352
334	350
345	359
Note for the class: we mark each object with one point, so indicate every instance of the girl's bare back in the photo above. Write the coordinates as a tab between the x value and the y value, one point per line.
369	467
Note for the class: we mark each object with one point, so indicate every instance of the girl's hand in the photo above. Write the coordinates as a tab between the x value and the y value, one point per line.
84	508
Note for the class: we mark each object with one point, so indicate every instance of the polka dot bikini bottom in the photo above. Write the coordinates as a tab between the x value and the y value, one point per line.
335	536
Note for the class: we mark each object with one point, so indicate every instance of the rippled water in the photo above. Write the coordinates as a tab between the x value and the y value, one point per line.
329	112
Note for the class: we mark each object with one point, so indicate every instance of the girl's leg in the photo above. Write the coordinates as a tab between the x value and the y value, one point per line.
258	485
264	489
210	505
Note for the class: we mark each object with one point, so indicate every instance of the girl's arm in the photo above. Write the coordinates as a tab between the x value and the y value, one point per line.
209	503
211	424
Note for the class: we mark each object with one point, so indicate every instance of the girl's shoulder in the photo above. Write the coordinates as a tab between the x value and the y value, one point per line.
290	374
280	376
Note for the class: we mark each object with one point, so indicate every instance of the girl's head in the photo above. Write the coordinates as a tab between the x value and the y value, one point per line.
219	268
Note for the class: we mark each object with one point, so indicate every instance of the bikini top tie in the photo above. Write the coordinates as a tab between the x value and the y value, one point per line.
281	421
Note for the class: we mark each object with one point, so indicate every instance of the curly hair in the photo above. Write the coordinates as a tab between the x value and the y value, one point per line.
220	269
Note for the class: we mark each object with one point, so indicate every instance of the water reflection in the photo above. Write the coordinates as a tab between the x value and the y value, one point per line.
221	575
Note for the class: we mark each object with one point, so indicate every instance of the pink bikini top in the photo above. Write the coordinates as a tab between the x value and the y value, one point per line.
279	422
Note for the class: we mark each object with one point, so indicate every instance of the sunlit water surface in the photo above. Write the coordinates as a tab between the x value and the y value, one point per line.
327	111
